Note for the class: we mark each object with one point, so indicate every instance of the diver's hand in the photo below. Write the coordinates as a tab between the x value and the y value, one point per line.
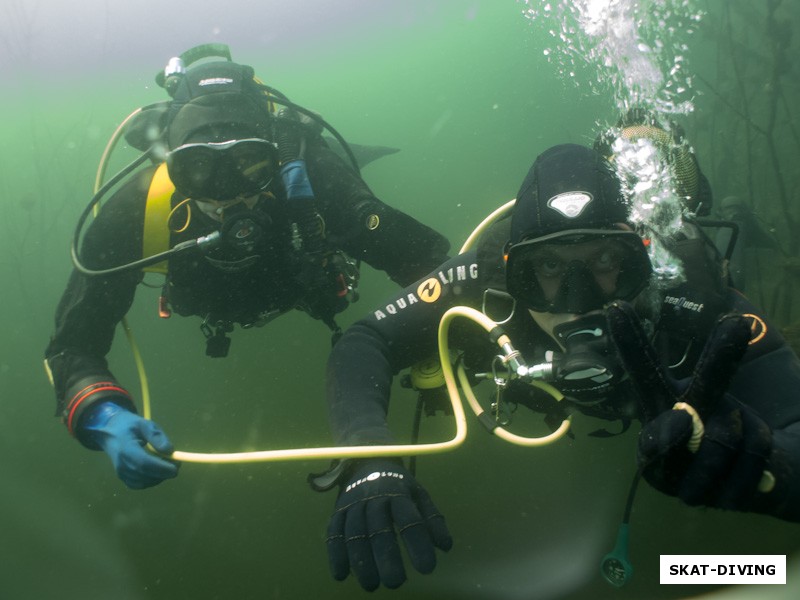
716	457
123	435
379	498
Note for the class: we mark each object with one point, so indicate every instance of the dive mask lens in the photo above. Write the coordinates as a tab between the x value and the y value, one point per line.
577	271
223	170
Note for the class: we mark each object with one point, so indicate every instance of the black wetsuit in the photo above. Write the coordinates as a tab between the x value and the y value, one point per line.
403	331
92	306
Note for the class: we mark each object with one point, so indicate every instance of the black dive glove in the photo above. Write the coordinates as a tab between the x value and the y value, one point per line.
377	498
722	466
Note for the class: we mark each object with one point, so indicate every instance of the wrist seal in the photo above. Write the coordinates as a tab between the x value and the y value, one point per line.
87	392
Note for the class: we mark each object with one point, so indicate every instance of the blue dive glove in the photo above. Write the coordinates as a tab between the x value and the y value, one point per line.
724	467
123	435
379	497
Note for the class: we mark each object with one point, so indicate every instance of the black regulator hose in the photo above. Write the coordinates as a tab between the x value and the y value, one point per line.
138	264
279	98
616	566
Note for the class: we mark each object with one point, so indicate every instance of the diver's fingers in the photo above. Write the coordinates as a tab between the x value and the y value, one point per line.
717	364
640	360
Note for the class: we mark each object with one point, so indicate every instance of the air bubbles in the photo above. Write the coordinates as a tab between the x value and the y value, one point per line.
655	208
633	48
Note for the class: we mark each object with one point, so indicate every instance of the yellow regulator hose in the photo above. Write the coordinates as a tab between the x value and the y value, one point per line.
335	452
503	341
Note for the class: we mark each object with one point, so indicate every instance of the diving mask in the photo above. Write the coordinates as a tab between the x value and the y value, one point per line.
223	170
577	271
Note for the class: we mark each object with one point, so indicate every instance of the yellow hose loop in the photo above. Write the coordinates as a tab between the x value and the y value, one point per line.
112	142
345	451
185	226
329	453
506	435
483	225
444	352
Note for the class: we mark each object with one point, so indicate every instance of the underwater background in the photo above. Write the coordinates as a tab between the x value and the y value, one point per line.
470	91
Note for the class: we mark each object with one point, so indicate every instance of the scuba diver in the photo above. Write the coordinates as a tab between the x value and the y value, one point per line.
570	281
242	204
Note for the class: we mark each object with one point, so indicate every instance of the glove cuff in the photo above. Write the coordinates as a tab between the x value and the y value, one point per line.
372	469
86	393
341	472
